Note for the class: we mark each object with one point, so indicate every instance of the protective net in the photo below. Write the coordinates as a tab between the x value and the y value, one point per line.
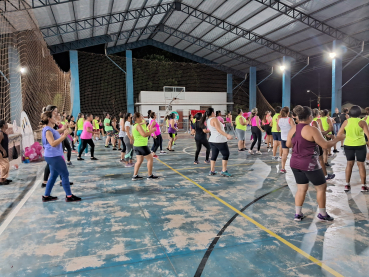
103	85
30	79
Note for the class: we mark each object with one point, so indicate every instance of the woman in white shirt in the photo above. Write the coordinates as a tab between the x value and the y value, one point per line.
128	140
122	134
217	140
285	123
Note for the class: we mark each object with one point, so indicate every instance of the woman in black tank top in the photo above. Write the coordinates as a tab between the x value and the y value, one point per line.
4	161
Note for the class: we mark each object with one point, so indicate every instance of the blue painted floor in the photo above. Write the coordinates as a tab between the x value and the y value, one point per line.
171	227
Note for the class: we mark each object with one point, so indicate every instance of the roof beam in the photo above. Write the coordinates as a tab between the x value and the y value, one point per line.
73	45
84	24
311	22
18	5
171	49
242	32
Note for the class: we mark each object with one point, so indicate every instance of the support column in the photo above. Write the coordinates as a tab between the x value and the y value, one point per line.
74	83
229	92
286	82
336	77
129	82
15	85
252	88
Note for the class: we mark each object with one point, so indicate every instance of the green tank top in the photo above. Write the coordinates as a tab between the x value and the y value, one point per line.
354	133
80	124
315	119
238	124
367	120
138	139
274	127
325	124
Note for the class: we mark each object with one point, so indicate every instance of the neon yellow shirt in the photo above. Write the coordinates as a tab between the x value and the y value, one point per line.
354	133
80	124
325	124
274	127
138	139
239	125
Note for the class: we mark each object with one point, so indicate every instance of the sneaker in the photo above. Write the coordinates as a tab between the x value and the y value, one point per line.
69	163
269	149
114	148
225	173
129	165
43	185
211	173
122	160
245	149
364	188
299	217
283	171
335	151
240	150
279	158
107	146
49	198
135	178
251	152
330	177
347	188
152	177
80	159
196	162
274	158
325	218
94	159
327	164
119	149
162	153
258	153
73	198
155	156
207	161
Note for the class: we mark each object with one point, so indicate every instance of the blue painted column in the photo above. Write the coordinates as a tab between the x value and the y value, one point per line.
286	82
129	82
74	83
336	77
252	88
15	84
229	92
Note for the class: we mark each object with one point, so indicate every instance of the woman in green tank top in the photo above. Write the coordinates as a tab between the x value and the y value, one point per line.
327	128
141	133
355	145
366	119
80	121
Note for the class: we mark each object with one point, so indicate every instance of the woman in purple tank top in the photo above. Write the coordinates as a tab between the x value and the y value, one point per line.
304	140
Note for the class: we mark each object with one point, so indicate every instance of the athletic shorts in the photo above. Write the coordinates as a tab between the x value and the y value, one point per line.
110	133
142	150
320	151
96	130
366	139
241	134
355	151
283	142
304	177
172	135
277	136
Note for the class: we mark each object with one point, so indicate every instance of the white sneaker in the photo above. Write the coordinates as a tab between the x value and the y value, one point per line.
269	149
87	155
251	152
258	153
279	158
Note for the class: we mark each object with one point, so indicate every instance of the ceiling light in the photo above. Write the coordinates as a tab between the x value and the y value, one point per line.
282	67
22	70
332	55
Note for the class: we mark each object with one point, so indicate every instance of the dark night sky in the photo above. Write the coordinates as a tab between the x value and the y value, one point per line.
316	77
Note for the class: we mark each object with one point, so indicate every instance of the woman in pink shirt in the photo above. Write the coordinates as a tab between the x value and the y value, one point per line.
86	137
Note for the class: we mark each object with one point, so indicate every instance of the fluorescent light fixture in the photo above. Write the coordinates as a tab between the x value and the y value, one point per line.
308	90
332	55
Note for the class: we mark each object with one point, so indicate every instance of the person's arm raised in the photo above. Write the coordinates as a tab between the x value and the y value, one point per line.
143	133
52	141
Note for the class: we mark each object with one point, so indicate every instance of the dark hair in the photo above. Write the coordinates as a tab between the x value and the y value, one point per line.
105	114
80	115
136	115
324	112
302	112
218	113
198	116
2	123
345	110
87	115
189	116
367	110
239	111
127	115
121	115
315	112
45	117
50	108
285	111
171	116
208	113
355	111
70	118
152	114
148	113
278	109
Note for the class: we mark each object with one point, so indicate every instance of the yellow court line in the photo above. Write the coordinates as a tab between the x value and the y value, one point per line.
298	250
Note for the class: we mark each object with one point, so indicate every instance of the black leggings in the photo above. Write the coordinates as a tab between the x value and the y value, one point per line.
124	148
256	135
84	145
66	145
219	147
199	143
158	142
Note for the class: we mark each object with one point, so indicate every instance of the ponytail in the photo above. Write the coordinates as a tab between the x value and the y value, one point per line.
208	113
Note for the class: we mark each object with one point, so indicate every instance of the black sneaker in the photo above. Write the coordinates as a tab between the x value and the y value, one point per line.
70	183
9	181
335	151
152	177
107	146
327	164
49	198
135	178
94	159
73	198
43	185
80	159
114	148
4	183
196	162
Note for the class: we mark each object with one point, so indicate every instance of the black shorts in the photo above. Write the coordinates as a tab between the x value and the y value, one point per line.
172	135
283	142
304	177
142	150
221	147
268	130
355	151
320	151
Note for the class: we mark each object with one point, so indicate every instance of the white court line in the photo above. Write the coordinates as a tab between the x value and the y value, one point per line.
14	212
